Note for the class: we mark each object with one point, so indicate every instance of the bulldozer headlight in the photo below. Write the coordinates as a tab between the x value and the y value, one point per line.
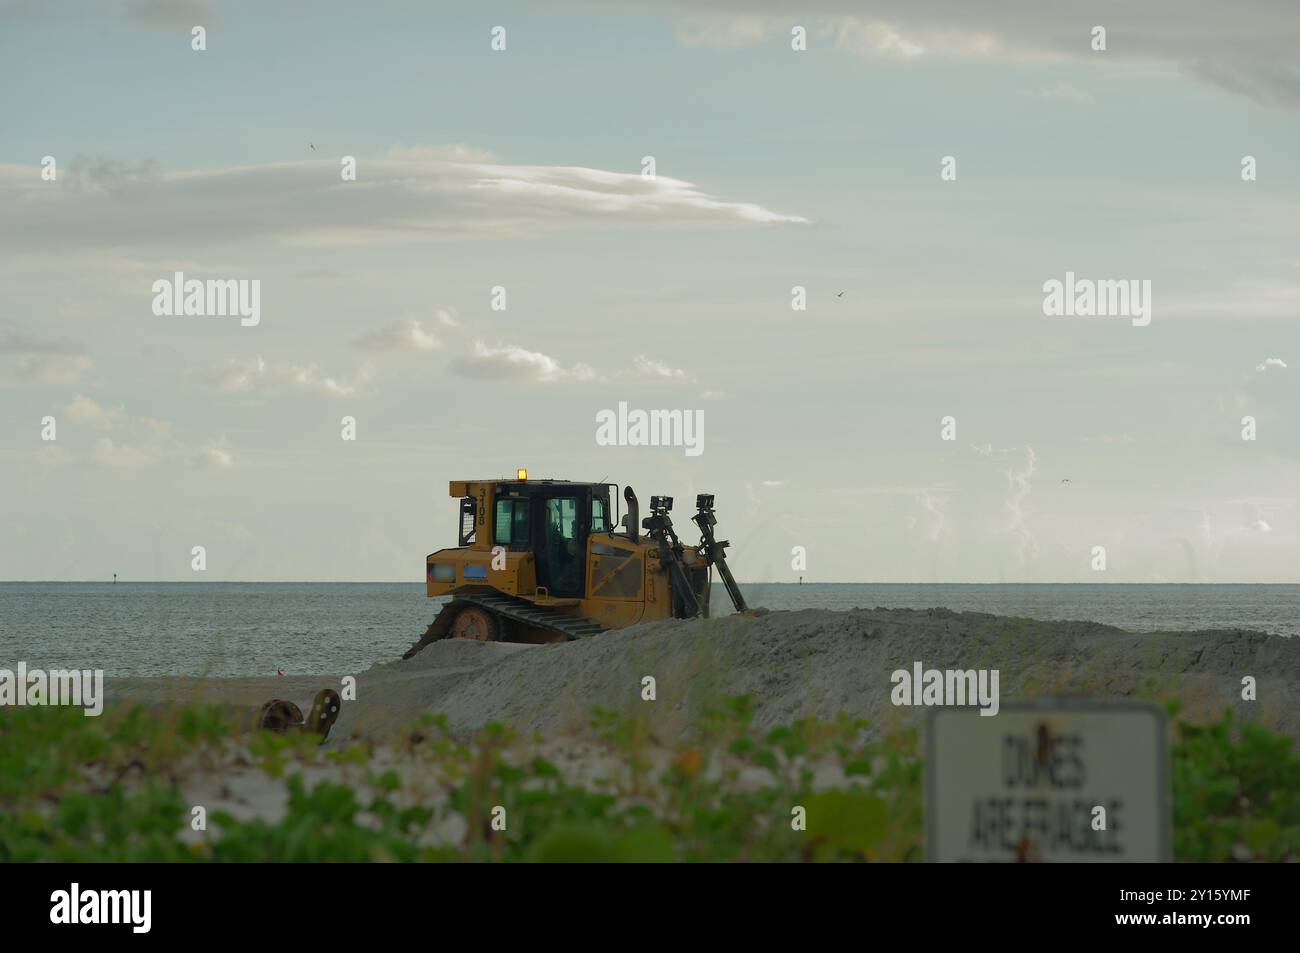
442	572
522	473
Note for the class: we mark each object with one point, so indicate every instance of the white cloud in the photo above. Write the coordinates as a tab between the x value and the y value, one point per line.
1246	47
510	362
48	369
399	197
129	442
86	411
647	367
309	378
724	32
407	333
453	152
1017	523
119	180
213	455
234	376
935	531
870	38
1270	362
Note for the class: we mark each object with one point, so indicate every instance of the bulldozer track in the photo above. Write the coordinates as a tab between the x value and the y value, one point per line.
529	613
512	608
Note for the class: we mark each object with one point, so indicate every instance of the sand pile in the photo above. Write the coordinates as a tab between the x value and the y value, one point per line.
809	662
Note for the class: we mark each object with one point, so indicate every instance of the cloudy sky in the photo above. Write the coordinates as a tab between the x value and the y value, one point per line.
522	169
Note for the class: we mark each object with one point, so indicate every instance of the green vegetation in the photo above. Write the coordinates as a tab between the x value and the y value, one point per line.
110	789
1236	793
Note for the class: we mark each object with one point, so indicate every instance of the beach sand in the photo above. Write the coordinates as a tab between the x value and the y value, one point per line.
794	664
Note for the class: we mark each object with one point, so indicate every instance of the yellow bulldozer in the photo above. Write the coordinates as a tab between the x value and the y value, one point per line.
549	561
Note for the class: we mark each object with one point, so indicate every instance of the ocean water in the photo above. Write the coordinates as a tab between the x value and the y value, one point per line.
337	628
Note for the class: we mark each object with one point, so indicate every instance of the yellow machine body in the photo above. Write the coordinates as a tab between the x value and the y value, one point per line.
607	578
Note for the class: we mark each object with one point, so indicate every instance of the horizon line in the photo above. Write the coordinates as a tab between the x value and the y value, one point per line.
412	582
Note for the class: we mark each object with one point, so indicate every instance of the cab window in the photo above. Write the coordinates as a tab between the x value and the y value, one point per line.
598	524
511	525
562	514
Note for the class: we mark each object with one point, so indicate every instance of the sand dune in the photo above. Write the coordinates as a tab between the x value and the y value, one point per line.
808	662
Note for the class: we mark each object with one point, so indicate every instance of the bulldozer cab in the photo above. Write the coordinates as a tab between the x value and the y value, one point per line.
552	520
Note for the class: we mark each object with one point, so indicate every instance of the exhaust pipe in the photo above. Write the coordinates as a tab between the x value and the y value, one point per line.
632	519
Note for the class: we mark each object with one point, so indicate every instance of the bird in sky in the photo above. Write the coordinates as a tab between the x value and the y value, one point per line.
313	146
840	295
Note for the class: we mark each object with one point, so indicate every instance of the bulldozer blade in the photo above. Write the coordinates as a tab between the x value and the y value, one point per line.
282	716
324	712
279	716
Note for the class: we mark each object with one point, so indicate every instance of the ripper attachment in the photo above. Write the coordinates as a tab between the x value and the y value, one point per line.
713	550
659	529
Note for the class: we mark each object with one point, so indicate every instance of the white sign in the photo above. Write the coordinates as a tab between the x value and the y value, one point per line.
1055	780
